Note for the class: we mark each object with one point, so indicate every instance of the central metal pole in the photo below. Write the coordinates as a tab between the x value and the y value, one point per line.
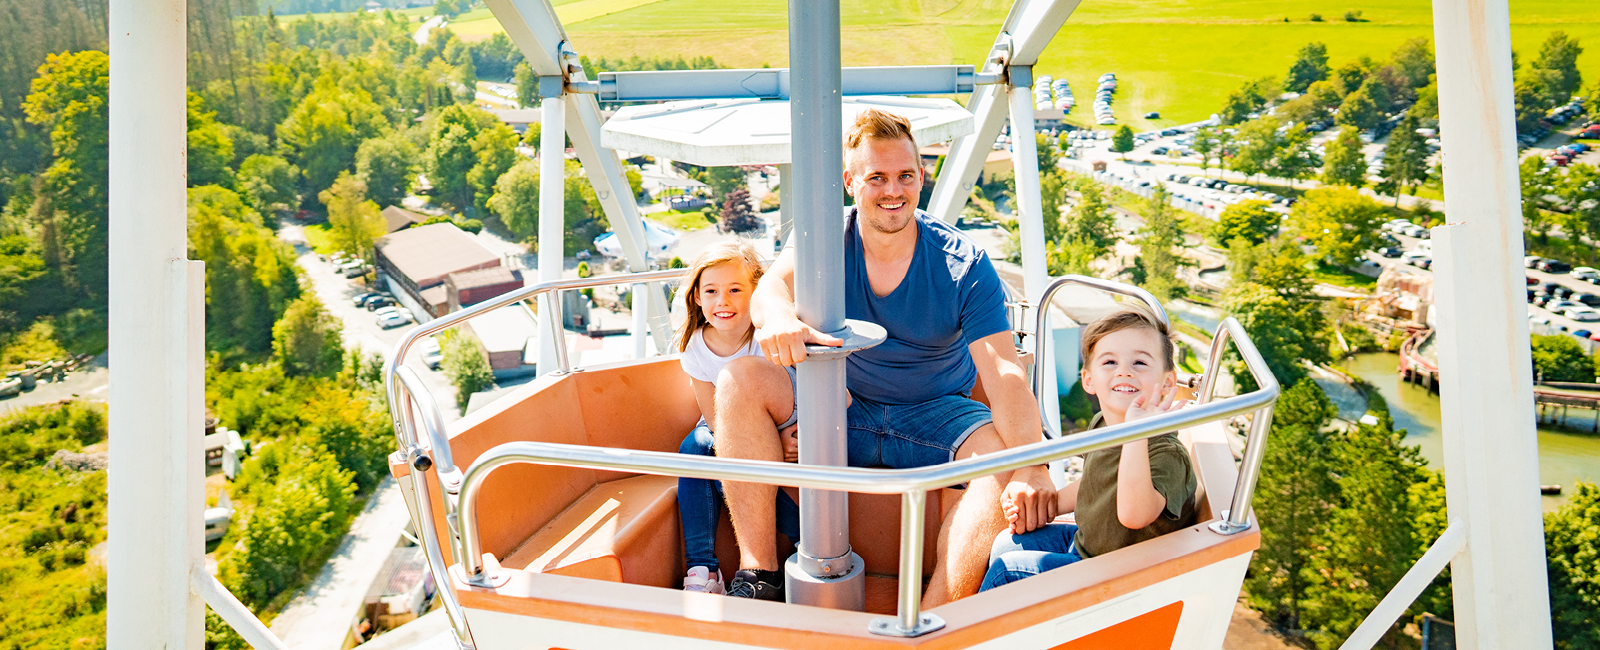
824	572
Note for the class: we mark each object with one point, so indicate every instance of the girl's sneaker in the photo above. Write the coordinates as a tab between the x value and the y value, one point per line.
702	580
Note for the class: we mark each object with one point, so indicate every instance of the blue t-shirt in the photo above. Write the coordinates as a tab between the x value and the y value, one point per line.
950	297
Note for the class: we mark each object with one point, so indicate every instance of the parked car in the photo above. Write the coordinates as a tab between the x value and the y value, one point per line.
1588	299
1585	273
361	298
1557	289
1583	313
390	317
1389	251
1532	280
1418	259
377	302
1560	305
1531	261
1536	297
1582	334
1554	266
431	355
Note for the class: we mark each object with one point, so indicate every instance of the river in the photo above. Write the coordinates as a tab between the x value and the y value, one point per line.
1563	457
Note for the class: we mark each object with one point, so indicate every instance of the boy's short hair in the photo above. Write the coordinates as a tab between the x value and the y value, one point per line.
1128	315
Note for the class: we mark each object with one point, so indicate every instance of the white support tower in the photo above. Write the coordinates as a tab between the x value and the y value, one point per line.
1486	392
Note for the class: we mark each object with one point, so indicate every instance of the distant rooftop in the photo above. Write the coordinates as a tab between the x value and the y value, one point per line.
398	218
489	277
426	254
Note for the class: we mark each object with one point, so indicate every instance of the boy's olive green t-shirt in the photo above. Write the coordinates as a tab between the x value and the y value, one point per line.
1171	473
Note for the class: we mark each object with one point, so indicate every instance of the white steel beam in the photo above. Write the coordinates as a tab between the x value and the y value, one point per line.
1030	220
535	29
959	174
1032	23
155	527
1490	443
552	222
616	198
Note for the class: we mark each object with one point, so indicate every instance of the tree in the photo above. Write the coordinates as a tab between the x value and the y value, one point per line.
1294	158
451	155
210	149
69	101
307	340
1052	191
1558	357
296	517
1339	221
1371	538
1207	144
250	273
516	201
1071	256
1559	54
1286	331
1350	76
1579	190
267	183
1358	110
1045	149
1405	163
1344	164
1310	66
1572	549
1092	221
1259	143
324	130
1414	60
1294	499
388	166
464	364
527	85
1248	99
1156	268
354	221
1250	221
1324	96
1427	106
724	180
1122	141
1537	184
736	215
496	151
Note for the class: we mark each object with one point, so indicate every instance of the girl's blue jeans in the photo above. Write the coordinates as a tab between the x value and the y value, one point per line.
700	506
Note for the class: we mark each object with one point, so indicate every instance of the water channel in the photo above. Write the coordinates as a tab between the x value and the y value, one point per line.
1563	456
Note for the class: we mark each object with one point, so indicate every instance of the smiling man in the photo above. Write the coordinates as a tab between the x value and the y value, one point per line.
937	294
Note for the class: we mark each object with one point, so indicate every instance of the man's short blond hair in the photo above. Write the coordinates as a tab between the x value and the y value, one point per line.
1127	316
874	124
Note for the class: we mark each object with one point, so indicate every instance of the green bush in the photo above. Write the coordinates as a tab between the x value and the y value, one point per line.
465	364
1559	357
1572	544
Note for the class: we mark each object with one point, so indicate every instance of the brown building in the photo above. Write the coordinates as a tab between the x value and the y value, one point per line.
397	218
415	263
468	288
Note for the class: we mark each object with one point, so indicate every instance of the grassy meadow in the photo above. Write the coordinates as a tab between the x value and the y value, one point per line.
1178	57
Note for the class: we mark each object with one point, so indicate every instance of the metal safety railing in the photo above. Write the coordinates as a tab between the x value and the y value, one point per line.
911	484
409	399
1041	330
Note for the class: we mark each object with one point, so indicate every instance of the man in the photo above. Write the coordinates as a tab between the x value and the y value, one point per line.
938	296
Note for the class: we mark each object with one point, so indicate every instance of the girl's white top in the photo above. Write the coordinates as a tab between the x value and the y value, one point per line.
699	362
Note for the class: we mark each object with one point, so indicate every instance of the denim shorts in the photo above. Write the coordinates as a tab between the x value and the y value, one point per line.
902	436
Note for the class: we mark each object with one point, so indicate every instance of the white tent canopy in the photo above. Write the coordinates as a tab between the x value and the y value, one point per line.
659	241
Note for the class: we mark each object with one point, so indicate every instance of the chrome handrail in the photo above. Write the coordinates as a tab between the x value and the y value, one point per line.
407	396
1041	331
1256	443
911	483
412	453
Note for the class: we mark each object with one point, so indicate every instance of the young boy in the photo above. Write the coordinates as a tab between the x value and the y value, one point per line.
1127	494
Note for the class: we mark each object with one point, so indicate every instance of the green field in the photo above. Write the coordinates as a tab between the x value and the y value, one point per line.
1178	57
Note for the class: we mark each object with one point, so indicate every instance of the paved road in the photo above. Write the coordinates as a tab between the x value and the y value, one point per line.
421	37
360	327
90	382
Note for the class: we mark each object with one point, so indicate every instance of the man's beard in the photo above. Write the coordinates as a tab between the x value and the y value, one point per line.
877	223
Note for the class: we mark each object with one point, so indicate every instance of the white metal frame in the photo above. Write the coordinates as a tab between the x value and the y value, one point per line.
157	581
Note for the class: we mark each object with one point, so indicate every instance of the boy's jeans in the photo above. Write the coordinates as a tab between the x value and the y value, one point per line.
700	506
1014	557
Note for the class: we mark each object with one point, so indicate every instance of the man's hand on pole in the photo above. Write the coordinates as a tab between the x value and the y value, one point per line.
783	341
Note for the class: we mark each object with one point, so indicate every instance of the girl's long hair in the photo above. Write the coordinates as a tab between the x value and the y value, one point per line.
735	251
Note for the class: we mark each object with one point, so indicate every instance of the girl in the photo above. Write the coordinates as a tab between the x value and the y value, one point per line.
717	330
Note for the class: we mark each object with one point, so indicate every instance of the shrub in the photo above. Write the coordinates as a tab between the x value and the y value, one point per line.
464	363
1353	16
1316	18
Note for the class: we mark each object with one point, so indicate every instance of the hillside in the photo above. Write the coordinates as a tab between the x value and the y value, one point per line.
1178	57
